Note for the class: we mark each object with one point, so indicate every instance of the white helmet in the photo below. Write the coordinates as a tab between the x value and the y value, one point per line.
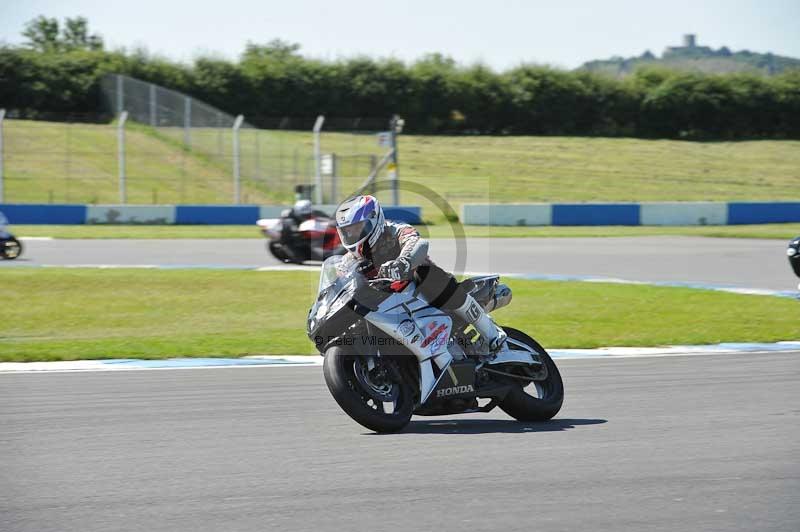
302	207
359	221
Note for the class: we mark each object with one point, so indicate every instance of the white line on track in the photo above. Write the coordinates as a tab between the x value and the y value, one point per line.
293	361
792	294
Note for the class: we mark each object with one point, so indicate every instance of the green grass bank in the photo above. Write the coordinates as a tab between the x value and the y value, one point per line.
63	314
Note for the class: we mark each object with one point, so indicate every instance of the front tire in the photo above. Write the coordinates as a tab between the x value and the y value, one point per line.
344	375
523	406
279	252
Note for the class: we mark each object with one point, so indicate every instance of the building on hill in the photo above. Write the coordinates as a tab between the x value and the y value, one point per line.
694	58
689	48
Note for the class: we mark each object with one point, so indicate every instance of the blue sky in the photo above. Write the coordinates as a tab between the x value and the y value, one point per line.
501	33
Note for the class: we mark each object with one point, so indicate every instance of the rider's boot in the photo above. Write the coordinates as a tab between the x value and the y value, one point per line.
492	335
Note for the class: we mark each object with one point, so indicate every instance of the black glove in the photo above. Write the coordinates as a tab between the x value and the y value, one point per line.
396	270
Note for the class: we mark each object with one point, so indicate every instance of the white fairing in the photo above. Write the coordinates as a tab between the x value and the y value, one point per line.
271	227
314	224
423	329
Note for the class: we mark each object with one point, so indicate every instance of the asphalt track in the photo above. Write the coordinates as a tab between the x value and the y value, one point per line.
656	444
748	263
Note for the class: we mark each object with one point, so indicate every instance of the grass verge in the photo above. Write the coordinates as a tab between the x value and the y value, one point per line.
67	314
58	162
779	231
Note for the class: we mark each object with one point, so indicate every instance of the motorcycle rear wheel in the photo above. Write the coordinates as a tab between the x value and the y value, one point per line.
363	400
549	394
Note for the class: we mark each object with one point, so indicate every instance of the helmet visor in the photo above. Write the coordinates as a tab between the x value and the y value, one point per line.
351	234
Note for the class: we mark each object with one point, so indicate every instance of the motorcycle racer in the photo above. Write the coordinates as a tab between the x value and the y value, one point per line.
301	211
397	252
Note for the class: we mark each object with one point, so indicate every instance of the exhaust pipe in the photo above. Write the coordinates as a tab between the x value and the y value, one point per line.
501	298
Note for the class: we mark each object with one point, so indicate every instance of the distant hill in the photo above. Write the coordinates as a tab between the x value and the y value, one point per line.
692	57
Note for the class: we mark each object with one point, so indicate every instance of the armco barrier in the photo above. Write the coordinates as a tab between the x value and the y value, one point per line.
763	213
216	215
167	214
130	214
677	213
500	214
44	214
665	213
596	214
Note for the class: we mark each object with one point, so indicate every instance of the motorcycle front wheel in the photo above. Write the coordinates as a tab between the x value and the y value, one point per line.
373	393
534	401
10	249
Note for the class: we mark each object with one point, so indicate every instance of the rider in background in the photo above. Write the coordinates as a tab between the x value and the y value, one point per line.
396	251
292	218
301	212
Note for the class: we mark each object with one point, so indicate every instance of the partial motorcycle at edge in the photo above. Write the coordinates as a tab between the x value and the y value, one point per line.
793	252
10	247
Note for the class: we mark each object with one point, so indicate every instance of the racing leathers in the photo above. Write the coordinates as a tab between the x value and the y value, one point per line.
401	254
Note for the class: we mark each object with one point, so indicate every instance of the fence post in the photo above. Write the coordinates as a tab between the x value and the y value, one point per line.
153	106
237	192
2	169
334	178
123	196
318	160
220	149
395	127
120	95
187	122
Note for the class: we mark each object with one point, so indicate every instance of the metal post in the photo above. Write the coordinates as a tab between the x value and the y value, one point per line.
187	122
237	191
334	178
318	159
2	171
123	116
120	95
395	127
153	106
258	154
220	149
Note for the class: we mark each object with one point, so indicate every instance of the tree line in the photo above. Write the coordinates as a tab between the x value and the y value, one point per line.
58	70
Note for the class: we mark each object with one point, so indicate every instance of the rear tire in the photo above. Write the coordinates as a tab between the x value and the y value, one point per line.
353	398
524	407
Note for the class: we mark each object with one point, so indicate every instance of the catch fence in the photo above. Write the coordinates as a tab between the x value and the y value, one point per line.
158	146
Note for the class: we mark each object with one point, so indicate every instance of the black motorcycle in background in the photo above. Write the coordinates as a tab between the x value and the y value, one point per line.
10	247
301	234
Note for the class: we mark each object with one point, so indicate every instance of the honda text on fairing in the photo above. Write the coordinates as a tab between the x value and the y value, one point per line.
390	354
10	247
301	234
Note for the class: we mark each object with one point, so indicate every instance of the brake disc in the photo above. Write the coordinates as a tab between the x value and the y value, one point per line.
379	389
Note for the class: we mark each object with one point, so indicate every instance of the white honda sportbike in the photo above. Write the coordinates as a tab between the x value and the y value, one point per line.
389	354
